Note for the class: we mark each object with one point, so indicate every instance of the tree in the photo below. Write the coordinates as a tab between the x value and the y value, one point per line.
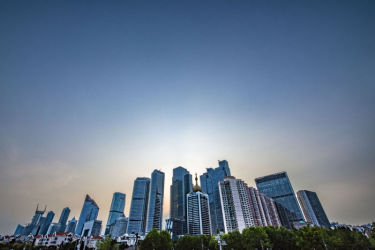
281	238
107	244
157	241
255	238
233	240
310	238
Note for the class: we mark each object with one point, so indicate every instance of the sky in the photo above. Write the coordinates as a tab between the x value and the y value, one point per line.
94	94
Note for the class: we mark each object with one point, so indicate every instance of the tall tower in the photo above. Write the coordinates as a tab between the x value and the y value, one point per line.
138	207
89	212
116	210
278	187
236	204
181	186
155	201
198	211
46	223
63	219
209	182
312	208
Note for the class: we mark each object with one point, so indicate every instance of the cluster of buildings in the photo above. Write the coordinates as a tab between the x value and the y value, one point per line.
222	203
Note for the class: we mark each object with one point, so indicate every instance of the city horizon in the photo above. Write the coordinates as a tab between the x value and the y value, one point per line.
95	94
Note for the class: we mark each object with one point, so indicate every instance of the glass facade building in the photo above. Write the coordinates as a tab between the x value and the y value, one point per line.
63	219
210	186
116	210
198	212
181	186
138	207
155	201
46	223
312	208
278	187
71	227
89	212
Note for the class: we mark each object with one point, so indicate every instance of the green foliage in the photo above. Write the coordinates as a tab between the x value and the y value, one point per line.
281	238
107	244
196	242
310	238
255	238
157	241
233	240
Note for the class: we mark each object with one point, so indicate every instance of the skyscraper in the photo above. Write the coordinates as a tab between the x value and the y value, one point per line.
209	182
138	207
278	187
89	212
116	210
181	186
71	227
36	221
235	202
92	228
263	209
63	219
46	223
119	227
155	201
198	212
312	208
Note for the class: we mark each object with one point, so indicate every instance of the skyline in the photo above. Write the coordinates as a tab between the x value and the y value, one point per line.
93	95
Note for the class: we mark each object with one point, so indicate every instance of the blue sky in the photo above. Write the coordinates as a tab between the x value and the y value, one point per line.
94	94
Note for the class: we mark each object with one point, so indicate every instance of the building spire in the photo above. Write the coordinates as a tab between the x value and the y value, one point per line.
196	188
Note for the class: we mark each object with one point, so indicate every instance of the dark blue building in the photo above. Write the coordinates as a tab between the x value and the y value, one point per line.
278	187
210	186
116	210
89	212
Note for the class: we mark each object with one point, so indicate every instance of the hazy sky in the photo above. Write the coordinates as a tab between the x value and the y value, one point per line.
95	94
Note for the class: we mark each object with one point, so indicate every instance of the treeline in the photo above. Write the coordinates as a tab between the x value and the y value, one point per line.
266	238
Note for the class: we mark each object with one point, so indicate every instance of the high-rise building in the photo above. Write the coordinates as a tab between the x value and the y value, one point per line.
53	227
46	223
19	230
92	228
181	186
263	209
63	219
244	206
235	202
119	227
312	208
155	201
209	182
198	212
36	221
116	210
138	207
89	212
278	187
71	227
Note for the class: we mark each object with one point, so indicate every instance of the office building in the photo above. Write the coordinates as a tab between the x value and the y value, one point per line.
138	207
235	204
263	209
71	227
155	201
278	187
209	182
36	221
198	212
89	212
119	227
53	228
46	223
116	210
19	230
91	228
63	219
181	186
312	208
